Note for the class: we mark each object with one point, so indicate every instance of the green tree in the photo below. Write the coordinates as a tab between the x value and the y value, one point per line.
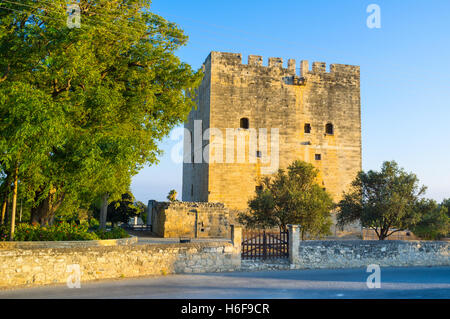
114	85
172	195
142	210
31	124
291	197
435	221
122	210
384	201
446	203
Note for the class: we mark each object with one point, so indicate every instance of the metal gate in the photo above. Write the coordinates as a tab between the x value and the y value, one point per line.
262	244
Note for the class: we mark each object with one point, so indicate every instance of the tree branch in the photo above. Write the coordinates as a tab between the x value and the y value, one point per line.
394	231
5	76
56	92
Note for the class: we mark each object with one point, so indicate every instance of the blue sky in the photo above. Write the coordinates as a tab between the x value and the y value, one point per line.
405	71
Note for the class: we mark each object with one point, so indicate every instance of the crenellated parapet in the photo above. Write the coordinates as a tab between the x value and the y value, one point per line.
257	61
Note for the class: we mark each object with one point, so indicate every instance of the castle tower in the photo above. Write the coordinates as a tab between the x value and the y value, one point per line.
314	116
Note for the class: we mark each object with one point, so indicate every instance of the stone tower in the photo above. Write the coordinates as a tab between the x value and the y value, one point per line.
314	116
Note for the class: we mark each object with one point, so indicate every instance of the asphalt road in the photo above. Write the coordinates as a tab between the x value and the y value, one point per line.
409	283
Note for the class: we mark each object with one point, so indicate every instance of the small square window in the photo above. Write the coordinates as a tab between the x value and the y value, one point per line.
258	154
318	157
244	123
307	128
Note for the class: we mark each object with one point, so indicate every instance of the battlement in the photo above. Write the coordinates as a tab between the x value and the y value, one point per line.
231	59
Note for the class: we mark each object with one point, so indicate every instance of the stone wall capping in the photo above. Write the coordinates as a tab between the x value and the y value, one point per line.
6	245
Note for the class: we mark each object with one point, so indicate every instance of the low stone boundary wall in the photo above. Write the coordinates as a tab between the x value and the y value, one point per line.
360	253
31	267
67	244
263	265
313	254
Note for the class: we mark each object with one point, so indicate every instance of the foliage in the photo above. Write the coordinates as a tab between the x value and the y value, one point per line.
60	231
57	232
114	233
141	210
93	223
446	203
172	195
123	210
384	201
291	198
120	211
83	109
435	221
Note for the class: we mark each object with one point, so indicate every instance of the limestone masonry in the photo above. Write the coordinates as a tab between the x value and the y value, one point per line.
193	220
40	265
317	114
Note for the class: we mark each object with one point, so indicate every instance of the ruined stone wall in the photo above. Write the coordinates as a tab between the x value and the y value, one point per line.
193	220
277	97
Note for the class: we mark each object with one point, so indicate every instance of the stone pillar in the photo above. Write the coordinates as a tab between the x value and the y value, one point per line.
236	239
304	67
291	65
294	244
236	236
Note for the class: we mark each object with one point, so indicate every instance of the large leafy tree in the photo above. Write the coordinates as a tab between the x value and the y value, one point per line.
385	201
31	125
291	197
114	85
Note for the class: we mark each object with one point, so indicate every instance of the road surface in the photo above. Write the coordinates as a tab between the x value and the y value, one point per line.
414	282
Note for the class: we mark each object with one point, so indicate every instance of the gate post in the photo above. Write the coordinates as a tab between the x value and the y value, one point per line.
236	237
236	240
294	244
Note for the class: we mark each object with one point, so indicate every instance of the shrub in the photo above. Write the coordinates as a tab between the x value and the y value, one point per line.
114	233
60	231
4	232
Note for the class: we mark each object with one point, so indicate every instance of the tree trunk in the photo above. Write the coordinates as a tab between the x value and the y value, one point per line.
14	202
21	209
104	211
4	209
383	233
43	214
5	200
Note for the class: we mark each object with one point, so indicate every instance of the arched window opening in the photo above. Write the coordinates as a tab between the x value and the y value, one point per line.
244	123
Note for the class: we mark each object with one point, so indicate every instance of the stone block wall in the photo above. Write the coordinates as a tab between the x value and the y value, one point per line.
31	267
272	97
354	254
194	220
360	253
